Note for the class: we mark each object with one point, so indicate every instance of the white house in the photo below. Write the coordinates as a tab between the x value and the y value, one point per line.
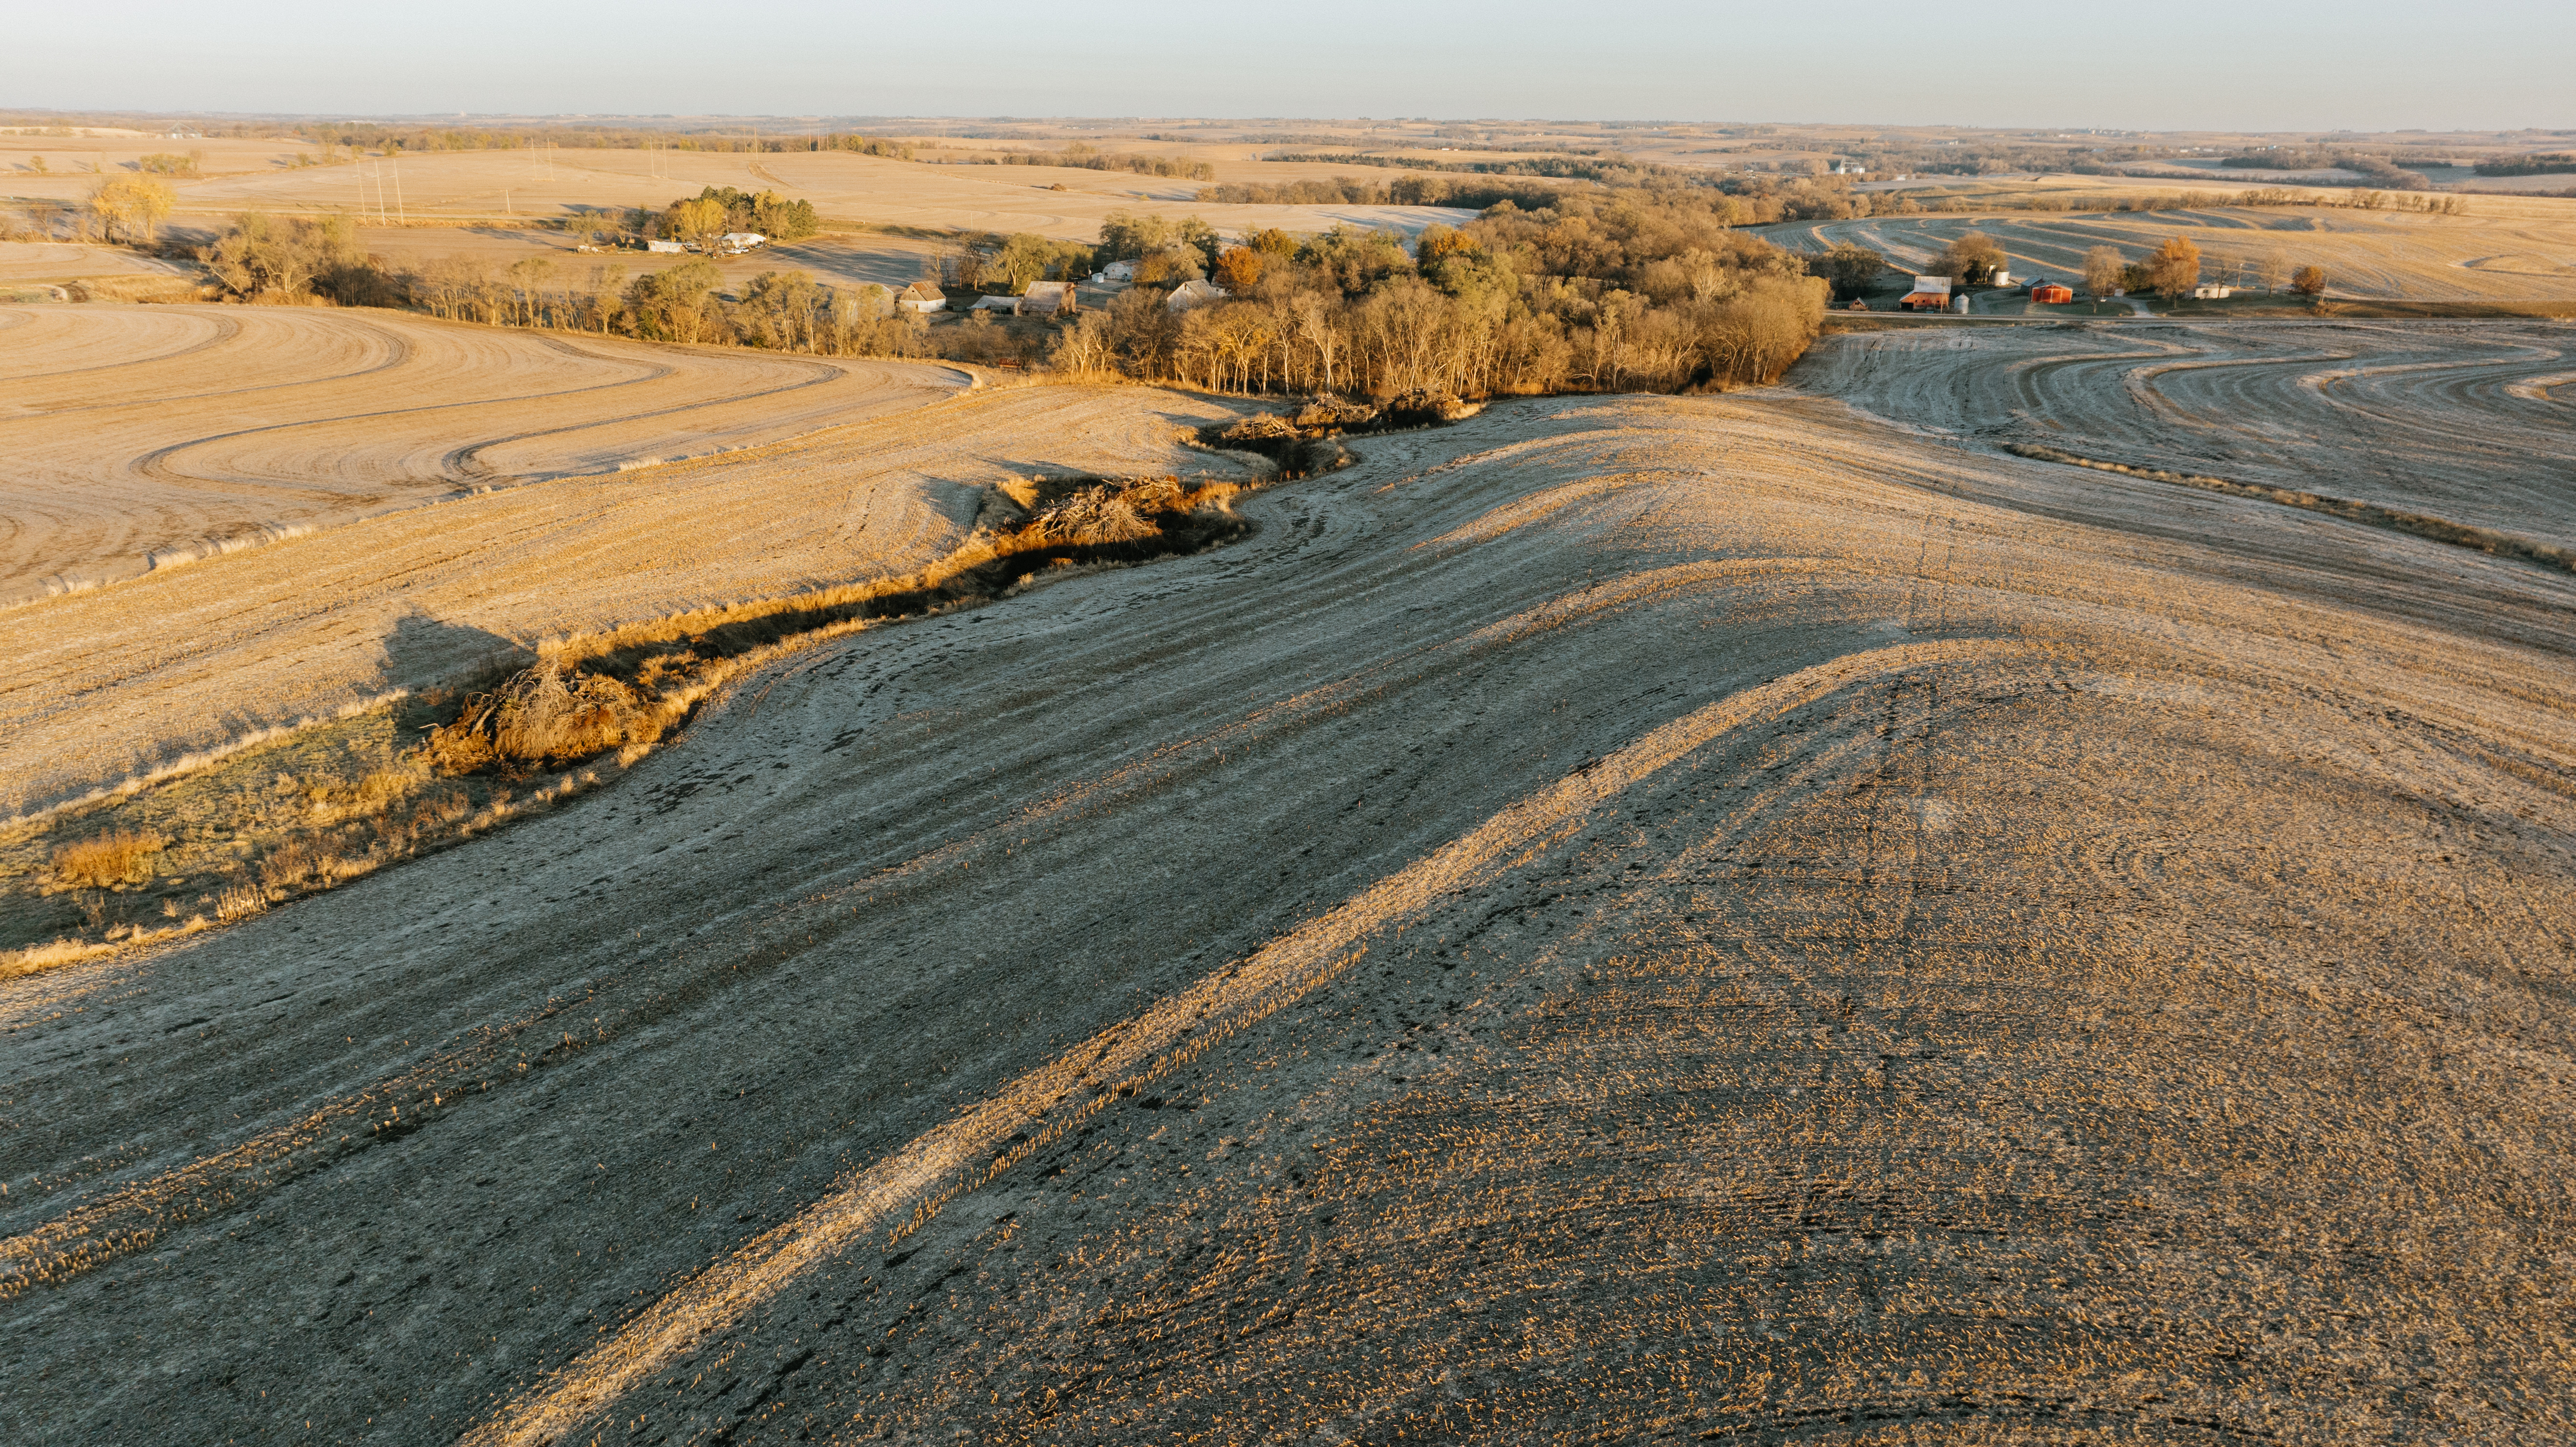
1116	271
1194	294
921	296
735	243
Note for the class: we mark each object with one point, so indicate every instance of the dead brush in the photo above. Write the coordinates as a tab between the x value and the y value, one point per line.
541	717
240	901
104	860
366	798
1104	514
288	866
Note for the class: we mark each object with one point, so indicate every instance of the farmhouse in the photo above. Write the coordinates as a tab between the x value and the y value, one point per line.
1930	294
1194	294
921	296
1046	298
735	243
1116	271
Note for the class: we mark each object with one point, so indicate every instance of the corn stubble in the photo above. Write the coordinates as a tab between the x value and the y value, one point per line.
1622	919
523	744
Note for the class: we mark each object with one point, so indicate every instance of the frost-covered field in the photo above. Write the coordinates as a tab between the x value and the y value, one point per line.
1619	918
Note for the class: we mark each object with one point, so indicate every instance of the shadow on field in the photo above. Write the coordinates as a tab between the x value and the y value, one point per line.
421	652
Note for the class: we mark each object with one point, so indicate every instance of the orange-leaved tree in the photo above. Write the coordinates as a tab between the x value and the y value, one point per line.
1239	269
2173	269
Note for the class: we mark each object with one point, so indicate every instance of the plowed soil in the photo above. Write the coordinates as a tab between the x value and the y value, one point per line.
1718	919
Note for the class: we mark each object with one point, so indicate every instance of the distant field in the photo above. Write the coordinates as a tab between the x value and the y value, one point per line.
533	184
2368	254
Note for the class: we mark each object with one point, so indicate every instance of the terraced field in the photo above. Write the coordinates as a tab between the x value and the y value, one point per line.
1706	918
2474	422
2504	251
137	438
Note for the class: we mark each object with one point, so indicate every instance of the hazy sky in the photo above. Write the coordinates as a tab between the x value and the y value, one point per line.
2191	64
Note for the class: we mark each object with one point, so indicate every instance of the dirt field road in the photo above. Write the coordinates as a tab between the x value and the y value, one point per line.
1618	919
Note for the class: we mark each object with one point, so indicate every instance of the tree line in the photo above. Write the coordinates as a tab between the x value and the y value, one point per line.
2540	164
1748	200
1082	157
2260	196
1612	292
379	136
716	210
1645	290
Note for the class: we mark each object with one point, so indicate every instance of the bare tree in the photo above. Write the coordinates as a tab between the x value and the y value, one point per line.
2102	270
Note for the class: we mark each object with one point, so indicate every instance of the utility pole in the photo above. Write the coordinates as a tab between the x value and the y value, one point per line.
398	201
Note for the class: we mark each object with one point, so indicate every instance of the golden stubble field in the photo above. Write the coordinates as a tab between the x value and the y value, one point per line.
143	437
500	186
2504	250
1714	918
408	500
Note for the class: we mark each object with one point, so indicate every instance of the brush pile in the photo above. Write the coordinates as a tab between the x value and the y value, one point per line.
1104	513
543	718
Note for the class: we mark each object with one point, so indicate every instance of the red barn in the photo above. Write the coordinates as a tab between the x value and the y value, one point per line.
2052	294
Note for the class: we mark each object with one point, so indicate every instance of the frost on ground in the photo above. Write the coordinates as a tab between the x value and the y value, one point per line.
1619	918
2471	421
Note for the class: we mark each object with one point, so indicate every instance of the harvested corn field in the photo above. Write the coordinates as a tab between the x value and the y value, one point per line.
138	438
119	682
2502	252
2474	422
1713	918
